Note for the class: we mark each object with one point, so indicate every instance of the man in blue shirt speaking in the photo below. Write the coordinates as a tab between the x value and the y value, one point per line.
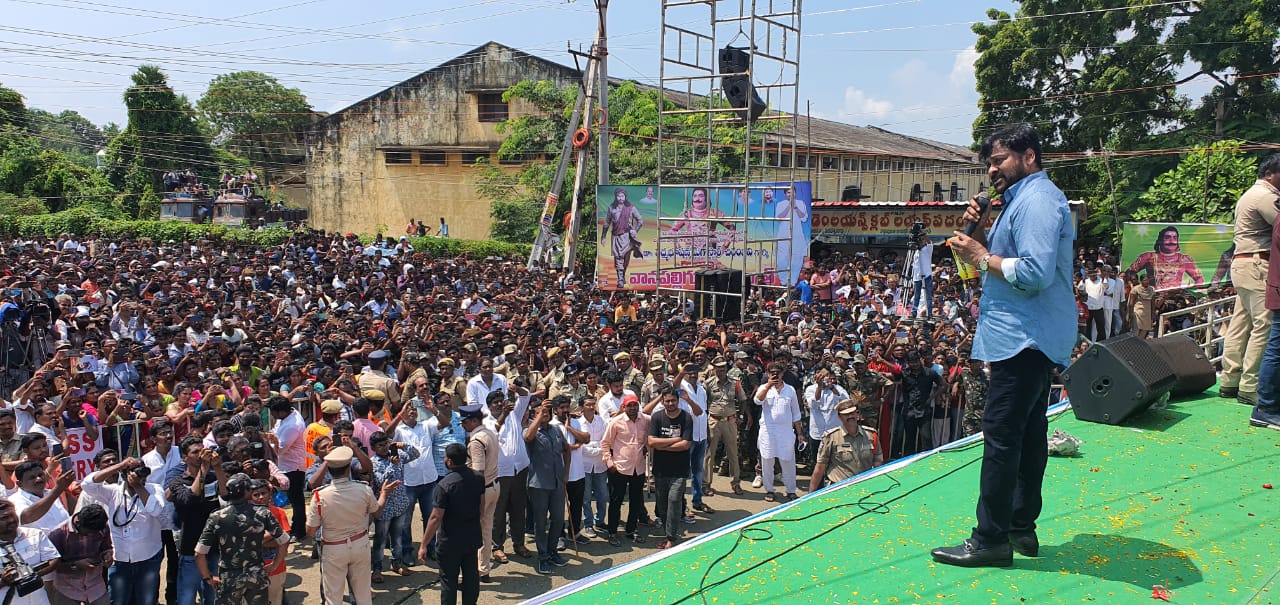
1026	327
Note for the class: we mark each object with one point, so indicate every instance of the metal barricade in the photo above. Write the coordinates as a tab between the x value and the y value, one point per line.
1204	330
128	437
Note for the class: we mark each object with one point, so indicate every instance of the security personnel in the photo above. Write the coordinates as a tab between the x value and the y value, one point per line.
377	379
455	523
869	384
340	511
452	384
724	395
632	378
482	452
848	449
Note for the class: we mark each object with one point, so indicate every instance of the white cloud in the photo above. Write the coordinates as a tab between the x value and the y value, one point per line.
859	107
961	76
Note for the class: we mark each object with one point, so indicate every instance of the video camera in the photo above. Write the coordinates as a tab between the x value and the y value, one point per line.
27	580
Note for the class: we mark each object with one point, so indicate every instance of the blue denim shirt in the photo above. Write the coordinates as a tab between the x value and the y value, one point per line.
1038	310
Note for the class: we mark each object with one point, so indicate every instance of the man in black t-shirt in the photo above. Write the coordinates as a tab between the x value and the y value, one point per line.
670	437
455	522
921	384
194	494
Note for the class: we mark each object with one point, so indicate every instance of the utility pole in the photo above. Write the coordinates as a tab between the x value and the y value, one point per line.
596	76
1115	204
602	58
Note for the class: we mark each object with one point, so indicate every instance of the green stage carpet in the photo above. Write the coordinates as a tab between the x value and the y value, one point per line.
1174	498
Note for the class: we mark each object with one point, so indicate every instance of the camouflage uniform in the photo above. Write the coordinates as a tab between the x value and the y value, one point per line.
975	396
236	531
868	383
749	416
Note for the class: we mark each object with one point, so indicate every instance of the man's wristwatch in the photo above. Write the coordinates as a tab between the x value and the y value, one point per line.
982	264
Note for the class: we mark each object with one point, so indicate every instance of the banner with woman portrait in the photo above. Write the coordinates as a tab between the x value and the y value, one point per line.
1178	255
629	219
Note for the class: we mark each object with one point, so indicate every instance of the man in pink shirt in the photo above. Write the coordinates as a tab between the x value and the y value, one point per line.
623	451
365	427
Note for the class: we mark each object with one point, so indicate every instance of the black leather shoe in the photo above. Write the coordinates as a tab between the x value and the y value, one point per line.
486	579
1229	392
969	554
1025	543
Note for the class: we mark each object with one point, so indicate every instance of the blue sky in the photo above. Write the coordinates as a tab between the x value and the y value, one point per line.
904	65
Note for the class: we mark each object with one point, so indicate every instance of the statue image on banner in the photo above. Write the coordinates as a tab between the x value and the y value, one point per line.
693	237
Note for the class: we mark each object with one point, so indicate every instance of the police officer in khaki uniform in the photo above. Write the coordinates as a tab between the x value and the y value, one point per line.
482	457
450	383
632	378
848	449
377	379
554	381
340	512
724	395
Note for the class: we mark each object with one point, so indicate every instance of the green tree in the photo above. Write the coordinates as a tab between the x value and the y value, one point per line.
1095	74
69	133
28	170
1204	187
517	195
13	110
255	116
162	135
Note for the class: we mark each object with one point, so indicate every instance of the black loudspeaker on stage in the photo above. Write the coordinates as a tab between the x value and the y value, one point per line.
1122	376
712	306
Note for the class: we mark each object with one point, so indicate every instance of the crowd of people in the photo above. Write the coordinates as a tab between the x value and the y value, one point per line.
218	385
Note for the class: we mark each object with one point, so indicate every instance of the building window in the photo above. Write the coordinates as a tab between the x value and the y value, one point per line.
492	107
868	165
830	163
432	158
399	157
470	157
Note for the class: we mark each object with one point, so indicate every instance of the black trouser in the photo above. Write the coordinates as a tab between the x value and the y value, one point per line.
1098	323
170	567
575	491
453	562
625	486
297	481
1015	448
912	428
512	500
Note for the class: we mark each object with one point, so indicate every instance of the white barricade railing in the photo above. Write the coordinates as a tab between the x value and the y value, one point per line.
1204	330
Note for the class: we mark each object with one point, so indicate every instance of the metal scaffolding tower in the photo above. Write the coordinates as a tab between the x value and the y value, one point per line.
708	139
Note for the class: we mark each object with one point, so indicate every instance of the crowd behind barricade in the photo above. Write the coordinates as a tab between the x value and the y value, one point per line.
203	406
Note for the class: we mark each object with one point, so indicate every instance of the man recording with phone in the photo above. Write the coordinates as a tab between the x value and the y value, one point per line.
1026	328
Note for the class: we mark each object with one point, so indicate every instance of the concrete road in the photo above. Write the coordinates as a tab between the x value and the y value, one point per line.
517	580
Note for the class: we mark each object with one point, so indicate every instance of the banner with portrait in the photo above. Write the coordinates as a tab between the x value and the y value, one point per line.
1178	255
629	218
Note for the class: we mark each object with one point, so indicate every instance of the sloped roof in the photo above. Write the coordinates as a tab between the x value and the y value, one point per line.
815	133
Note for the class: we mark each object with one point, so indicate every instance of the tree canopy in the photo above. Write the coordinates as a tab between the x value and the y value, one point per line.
162	135
254	116
1103	75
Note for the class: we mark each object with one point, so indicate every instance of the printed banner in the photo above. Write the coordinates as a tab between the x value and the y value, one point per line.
628	222
81	450
866	221
1178	255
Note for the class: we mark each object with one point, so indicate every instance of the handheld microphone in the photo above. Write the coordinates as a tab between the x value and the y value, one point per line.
984	204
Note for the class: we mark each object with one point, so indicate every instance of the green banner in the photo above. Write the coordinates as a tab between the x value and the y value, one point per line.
1178	255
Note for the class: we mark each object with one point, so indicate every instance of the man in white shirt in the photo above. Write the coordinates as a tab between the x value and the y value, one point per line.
420	474
922	278
596	490
291	456
693	398
575	476
164	460
1095	289
513	472
38	507
137	511
1113	300
822	397
611	402
33	546
483	383
780	428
